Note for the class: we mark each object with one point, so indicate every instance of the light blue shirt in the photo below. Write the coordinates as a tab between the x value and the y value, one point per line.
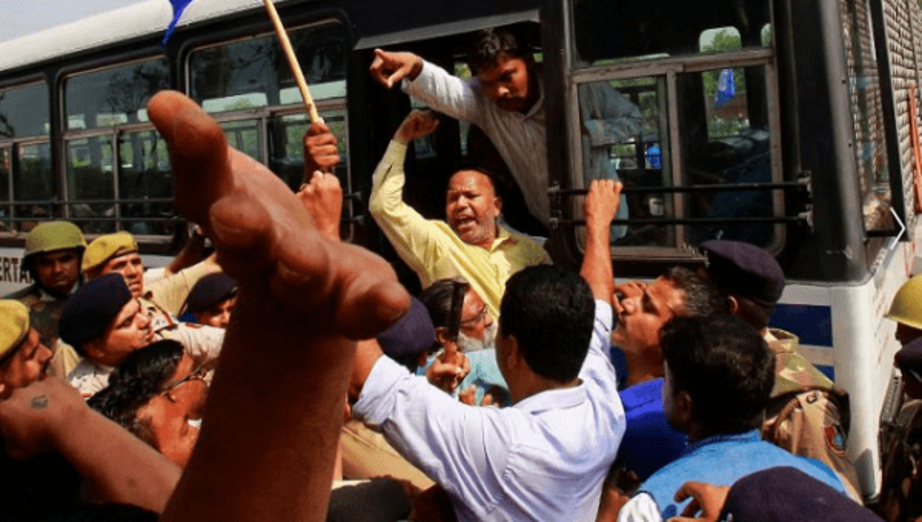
543	458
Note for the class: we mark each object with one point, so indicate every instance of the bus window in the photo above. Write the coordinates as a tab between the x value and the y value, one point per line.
867	115
144	181
104	150
33	189
25	154
238	81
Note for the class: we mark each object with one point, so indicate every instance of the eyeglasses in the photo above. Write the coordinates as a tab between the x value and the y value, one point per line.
476	319
197	374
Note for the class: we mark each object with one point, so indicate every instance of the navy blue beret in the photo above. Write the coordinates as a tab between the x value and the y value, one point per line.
209	291
745	270
411	335
788	494
92	307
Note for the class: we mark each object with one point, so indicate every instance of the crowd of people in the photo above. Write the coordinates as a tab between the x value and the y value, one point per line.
289	376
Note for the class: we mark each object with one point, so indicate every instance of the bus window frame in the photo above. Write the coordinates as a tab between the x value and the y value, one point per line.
13	145
263	115
114	131
670	68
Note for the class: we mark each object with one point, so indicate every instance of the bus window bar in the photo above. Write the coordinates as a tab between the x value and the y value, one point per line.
91	219
59	203
801	184
805	218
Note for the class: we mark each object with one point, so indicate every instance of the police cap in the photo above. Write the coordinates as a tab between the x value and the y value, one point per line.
745	270
14	325
92	308
411	335
785	493
51	236
209	291
104	248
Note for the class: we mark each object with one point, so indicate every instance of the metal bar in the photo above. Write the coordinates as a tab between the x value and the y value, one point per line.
103	219
722	187
59	203
686	221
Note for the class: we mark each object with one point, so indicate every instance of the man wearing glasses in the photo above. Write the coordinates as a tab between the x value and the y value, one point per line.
157	393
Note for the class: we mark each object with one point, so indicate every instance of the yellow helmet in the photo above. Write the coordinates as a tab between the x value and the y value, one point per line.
14	325
907	304
51	236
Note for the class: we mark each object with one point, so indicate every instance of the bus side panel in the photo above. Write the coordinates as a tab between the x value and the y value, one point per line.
845	332
12	277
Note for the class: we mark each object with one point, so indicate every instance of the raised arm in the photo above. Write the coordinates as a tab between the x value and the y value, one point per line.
600	207
268	442
389	68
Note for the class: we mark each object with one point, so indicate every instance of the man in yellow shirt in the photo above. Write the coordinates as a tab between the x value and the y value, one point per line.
471	244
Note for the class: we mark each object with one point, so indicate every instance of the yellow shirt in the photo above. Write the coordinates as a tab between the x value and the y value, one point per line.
434	251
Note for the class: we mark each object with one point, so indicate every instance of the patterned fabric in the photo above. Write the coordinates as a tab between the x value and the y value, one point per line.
808	415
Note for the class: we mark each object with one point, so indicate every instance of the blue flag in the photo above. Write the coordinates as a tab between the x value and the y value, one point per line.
178	7
726	88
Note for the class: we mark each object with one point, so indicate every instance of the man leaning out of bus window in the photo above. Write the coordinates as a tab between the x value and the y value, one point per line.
506	100
471	244
118	253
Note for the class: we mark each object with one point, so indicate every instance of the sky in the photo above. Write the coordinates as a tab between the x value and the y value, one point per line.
22	17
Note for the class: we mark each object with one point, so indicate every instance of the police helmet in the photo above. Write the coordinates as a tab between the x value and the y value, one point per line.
51	236
907	304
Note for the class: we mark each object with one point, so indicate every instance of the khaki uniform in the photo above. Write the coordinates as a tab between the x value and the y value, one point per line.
45	316
808	415
202	343
170	292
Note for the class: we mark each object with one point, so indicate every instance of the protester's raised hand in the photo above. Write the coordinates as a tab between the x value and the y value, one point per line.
264	235
34	416
323	199
320	149
417	124
707	501
389	68
601	205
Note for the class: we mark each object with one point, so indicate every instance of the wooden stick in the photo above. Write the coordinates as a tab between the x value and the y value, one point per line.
292	62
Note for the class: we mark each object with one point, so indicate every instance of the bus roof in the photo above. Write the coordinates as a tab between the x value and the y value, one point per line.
125	23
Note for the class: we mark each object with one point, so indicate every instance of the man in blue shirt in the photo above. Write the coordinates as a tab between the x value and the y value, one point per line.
719	377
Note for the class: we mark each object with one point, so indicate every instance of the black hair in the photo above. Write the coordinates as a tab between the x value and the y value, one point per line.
550	312
725	367
143	375
489	45
444	300
702	296
755	313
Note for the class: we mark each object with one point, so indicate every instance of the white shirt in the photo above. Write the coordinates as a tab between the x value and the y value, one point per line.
544	458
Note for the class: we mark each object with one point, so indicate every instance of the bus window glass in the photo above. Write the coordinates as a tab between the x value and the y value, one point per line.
33	188
90	183
6	210
24	111
287	154
867	115
244	136
725	130
114	96
656	29
625	137
144	178
254	73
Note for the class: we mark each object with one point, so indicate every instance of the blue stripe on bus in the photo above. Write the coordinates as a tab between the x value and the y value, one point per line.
813	324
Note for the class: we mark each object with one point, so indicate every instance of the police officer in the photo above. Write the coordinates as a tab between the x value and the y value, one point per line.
906	310
52	257
807	414
118	253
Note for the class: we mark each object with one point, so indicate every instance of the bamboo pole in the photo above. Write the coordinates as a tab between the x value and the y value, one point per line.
292	62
